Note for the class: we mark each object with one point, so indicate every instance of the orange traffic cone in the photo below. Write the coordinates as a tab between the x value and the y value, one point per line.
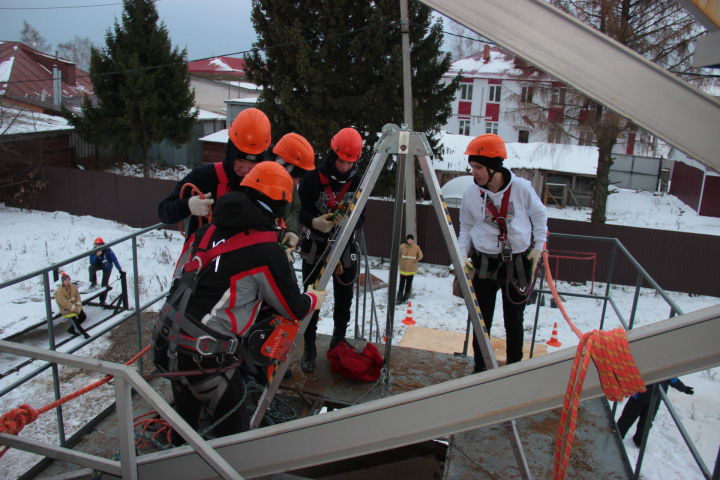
554	342
408	316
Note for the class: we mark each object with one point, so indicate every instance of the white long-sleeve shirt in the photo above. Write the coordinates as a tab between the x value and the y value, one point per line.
526	215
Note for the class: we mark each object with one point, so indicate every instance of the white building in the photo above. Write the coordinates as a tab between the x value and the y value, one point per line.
500	93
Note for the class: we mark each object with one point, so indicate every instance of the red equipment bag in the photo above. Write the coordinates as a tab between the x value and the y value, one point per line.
362	363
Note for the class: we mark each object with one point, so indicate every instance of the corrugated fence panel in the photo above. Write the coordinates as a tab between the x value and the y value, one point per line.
678	261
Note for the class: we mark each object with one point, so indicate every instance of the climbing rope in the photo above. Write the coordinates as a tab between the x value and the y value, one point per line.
193	191
16	419
619	376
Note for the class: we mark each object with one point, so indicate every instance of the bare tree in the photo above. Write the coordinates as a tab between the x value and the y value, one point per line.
662	32
31	37
77	50
461	42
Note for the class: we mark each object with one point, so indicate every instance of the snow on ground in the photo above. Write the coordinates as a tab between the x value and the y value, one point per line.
31	240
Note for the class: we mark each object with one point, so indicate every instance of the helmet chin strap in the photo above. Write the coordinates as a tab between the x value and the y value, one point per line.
489	179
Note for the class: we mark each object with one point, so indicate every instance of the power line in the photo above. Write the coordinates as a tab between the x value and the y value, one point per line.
57	8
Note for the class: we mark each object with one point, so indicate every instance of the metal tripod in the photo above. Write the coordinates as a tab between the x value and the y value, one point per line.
401	142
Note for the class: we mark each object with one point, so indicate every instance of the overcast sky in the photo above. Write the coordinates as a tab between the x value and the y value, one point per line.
205	27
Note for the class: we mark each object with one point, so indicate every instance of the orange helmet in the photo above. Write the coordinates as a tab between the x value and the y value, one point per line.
99	241
488	145
270	179
250	131
347	143
296	150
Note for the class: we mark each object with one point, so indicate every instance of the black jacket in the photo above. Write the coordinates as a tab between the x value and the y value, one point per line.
232	289
175	209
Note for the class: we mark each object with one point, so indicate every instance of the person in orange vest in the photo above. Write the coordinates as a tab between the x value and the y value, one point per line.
410	255
249	138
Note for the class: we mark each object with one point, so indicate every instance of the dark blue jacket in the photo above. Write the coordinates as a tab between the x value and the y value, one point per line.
105	260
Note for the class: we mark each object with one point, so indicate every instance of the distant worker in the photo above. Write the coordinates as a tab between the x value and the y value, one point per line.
410	255
638	407
249	137
324	195
68	299
503	228
236	265
297	156
104	260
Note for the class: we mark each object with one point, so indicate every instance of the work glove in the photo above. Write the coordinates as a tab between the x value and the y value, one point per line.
290	240
323	223
200	206
688	390
534	257
320	295
468	264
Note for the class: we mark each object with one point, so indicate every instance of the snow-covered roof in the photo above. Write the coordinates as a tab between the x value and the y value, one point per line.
495	62
221	136
208	115
218	65
555	157
245	85
679	156
15	121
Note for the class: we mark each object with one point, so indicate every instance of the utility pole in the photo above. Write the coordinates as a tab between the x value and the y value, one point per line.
410	211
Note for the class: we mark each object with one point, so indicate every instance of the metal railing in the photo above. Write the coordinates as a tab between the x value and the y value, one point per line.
642	278
125	379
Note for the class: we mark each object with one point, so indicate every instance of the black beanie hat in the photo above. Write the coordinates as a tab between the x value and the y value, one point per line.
491	163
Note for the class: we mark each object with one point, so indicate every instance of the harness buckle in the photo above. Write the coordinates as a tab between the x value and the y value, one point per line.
200	342
506	252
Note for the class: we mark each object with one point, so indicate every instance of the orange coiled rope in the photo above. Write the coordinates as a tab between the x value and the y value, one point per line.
16	419
619	376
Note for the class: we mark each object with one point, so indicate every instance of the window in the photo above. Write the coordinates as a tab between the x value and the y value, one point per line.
523	136
554	134
586	137
526	96
494	93
491	127
466	91
557	96
464	126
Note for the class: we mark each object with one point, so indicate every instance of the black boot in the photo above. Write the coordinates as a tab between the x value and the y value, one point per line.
307	362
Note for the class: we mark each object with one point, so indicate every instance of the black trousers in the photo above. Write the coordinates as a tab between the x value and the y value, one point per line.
513	309
105	279
194	410
405	287
342	295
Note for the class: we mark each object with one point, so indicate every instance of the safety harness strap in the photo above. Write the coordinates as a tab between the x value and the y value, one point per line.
203	256
223	187
332	197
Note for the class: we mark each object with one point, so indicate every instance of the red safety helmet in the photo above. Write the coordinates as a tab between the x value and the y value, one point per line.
488	145
270	179
347	144
99	241
294	149
250	131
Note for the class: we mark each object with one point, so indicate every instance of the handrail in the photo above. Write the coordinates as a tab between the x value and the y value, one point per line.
122	374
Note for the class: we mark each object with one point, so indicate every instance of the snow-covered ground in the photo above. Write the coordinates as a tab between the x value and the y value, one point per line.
31	240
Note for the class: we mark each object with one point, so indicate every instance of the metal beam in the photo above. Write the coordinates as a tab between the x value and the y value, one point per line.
467	403
598	66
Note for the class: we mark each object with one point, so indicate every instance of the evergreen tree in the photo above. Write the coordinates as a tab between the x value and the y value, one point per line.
141	84
328	65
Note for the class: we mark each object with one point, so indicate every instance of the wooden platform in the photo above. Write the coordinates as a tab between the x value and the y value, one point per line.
452	342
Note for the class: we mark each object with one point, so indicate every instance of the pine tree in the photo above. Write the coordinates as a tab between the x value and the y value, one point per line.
328	65
141	84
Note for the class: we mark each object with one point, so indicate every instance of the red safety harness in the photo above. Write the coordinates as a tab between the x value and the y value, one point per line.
500	218
223	186
333	198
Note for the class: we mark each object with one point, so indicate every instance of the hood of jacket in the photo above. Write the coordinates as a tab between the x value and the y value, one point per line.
237	212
